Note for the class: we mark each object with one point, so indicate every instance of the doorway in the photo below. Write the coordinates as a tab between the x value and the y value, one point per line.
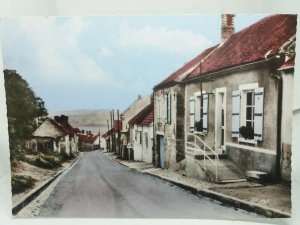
161	150
220	122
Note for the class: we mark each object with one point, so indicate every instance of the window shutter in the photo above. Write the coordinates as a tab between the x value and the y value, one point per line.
192	112
258	113
169	108
205	113
235	113
158	110
166	108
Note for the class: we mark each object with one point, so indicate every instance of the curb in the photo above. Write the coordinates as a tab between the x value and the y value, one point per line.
36	192
228	200
225	199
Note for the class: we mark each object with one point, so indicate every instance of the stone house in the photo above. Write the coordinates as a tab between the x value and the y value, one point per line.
55	135
126	116
169	129
141	134
237	103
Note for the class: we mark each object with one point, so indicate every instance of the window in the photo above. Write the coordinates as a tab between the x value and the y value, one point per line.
250	109
146	140
141	137
198	113
192	113
158	110
201	113
247	112
168	107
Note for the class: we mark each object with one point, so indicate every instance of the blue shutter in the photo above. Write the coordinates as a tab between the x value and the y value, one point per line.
235	113
192	113
258	113
205	113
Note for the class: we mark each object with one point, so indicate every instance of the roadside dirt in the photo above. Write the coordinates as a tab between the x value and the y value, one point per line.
276	196
39	174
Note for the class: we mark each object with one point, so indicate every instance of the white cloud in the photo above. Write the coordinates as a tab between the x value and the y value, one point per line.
53	47
106	52
174	41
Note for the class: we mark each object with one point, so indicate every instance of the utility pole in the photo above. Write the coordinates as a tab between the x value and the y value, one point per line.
114	132
119	132
111	136
99	140
107	147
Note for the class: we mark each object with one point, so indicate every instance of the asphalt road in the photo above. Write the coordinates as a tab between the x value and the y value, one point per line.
100	187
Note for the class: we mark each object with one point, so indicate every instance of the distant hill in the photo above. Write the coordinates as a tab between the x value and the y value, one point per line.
85	118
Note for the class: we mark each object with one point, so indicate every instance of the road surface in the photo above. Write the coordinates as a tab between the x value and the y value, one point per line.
100	187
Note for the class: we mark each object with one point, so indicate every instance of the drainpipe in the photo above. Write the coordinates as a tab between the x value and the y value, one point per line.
279	121
154	144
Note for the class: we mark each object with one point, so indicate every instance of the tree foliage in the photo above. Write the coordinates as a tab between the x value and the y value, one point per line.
23	108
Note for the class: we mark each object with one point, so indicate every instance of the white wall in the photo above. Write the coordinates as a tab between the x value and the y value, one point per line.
142	152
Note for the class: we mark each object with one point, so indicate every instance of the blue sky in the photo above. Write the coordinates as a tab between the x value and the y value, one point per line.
105	62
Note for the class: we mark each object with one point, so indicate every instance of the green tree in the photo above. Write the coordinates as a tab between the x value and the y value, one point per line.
23	108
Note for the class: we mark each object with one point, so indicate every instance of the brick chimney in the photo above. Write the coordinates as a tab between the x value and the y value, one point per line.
227	26
64	119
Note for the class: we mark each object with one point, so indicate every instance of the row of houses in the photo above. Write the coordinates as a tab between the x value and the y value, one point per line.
57	135
131	137
225	114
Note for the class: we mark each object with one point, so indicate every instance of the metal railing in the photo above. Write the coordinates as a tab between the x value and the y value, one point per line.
197	145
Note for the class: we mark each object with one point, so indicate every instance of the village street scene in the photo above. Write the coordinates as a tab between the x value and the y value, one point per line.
212	139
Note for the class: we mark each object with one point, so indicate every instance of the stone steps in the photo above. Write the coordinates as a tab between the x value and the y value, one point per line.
227	171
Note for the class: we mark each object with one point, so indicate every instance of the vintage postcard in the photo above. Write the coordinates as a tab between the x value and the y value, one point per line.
157	116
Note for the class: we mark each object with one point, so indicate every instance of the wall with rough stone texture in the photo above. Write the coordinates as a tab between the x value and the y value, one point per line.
174	132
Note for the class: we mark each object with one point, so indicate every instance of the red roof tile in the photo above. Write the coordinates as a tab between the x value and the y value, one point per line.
144	117
250	44
65	127
184	69
88	138
108	133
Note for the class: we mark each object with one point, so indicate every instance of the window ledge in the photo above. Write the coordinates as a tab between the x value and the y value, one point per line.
243	140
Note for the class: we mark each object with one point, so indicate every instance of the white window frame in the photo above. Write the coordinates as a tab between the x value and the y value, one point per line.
192	114
244	88
197	110
223	91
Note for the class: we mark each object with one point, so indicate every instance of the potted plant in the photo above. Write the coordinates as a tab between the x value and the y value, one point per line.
247	132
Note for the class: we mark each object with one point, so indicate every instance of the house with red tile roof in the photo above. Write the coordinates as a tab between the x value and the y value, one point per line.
89	141
111	136
169	98
55	135
141	134
236	105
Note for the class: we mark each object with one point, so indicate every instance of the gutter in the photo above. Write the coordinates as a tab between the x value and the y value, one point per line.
216	73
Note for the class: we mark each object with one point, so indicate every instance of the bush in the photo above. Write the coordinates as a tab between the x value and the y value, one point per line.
44	161
21	183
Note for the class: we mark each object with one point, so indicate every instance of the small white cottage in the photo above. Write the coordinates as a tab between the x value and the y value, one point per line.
55	135
141	134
